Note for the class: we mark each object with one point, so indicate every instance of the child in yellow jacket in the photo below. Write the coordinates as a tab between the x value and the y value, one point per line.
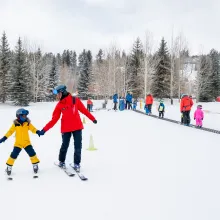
21	126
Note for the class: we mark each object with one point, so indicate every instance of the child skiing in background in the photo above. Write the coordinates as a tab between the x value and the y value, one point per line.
21	126
161	109
89	105
198	116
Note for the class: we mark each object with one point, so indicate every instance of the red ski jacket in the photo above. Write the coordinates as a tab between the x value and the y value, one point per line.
149	100
70	120
186	104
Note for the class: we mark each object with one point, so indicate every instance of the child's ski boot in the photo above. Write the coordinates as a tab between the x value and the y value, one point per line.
35	168
8	170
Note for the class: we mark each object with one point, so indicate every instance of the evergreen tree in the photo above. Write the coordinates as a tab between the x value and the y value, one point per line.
53	75
215	72
205	80
161	78
136	62
20	91
53	78
4	68
85	71
99	57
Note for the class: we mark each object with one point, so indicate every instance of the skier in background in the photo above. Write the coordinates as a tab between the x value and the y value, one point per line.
185	107
71	124
21	126
115	101
89	105
161	109
149	102
199	116
128	104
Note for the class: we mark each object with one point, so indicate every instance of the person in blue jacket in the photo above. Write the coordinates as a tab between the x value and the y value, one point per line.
161	109
115	101
128	101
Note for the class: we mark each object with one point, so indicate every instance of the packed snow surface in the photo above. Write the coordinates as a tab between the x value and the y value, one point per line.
144	168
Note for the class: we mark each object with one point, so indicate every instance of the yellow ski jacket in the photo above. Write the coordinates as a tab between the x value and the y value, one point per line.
22	139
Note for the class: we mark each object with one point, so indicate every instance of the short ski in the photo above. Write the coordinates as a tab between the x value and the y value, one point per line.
9	178
65	170
80	175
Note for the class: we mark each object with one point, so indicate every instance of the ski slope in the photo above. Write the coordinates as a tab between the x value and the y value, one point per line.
144	168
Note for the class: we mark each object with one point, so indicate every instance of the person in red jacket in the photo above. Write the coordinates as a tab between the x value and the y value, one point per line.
185	108
71	124
89	105
149	102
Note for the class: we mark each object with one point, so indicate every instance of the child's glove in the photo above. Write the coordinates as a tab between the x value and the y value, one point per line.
3	139
39	133
202	118
95	121
194	119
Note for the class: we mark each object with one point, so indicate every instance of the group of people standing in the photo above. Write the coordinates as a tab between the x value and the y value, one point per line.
185	107
124	103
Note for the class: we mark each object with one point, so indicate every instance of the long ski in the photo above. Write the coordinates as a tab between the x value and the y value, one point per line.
70	174
79	174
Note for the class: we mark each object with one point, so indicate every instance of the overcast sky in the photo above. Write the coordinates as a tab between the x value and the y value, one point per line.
56	25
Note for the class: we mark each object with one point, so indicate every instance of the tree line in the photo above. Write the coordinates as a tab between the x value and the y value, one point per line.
28	75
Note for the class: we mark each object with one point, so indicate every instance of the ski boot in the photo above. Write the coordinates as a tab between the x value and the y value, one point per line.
35	168
76	167
8	170
62	165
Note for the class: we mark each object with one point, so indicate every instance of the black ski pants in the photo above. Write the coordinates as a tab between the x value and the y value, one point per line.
161	114
77	135
186	117
149	106
115	106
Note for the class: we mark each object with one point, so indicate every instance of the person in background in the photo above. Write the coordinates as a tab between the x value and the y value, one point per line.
115	101
185	108
199	116
161	109
128	104
89	105
149	102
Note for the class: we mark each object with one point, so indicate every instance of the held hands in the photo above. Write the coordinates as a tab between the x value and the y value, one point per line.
3	139
40	133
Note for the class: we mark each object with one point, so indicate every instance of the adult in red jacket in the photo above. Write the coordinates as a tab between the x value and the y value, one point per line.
71	124
149	102
185	107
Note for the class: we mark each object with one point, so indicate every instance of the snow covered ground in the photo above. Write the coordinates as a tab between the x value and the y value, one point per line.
144	168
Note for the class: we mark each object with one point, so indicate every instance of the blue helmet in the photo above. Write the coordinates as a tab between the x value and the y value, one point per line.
21	111
60	88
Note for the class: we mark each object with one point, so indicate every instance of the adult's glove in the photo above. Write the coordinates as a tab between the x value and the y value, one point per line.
3	139
95	121
40	133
